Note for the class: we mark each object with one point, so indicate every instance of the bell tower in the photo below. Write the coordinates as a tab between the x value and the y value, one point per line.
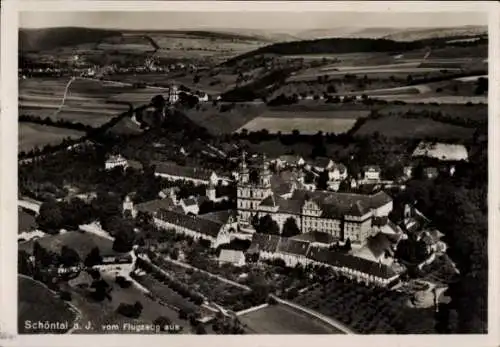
244	191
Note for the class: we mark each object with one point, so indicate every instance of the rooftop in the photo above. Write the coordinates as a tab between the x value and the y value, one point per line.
154	205
194	223
173	169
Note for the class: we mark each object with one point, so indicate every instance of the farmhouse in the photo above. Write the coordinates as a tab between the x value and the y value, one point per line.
441	151
115	161
216	233
288	161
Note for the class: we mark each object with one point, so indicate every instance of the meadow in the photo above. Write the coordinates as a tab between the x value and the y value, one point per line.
36	135
308	122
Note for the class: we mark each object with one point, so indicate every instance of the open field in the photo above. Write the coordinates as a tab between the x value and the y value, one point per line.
306	125
393	126
37	303
226	122
281	319
35	135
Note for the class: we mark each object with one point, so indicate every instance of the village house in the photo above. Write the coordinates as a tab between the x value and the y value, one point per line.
190	206
115	161
319	164
372	172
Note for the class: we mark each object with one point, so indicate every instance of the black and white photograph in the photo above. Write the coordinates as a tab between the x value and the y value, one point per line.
252	172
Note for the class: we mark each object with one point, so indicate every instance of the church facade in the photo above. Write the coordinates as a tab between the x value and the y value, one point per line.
342	215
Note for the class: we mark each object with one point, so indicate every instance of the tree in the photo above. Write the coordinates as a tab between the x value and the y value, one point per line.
267	225
124	241
42	256
50	218
163	322
93	258
290	228
69	257
158	102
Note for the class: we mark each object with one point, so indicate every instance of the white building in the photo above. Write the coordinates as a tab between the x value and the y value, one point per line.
114	161
236	258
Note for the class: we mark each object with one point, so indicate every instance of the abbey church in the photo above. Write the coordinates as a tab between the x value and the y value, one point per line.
284	195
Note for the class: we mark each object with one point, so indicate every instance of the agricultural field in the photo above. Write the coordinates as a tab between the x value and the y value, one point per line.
224	119
413	128
337	122
282	319
423	99
368	310
88	102
37	303
36	135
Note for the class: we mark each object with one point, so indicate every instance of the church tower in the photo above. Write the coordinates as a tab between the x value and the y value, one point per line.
263	189
244	191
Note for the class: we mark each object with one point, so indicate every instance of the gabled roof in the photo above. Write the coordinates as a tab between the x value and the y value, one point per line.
336	259
264	243
193	223
173	169
291	246
220	216
270	201
154	205
290	159
190	202
316	237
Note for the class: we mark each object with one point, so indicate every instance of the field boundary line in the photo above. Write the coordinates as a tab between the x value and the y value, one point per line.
323	318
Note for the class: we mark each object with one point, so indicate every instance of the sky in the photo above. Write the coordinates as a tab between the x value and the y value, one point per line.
248	20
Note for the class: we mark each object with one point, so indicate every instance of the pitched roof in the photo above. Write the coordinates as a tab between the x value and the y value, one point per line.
190	202
194	223
173	169
154	205
291	246
270	201
231	256
220	216
337	205
316	237
264	243
336	259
